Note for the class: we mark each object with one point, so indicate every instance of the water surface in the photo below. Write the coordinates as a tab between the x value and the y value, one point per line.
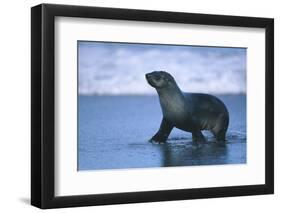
113	133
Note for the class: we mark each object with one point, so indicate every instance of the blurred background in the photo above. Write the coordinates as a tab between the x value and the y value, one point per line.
107	68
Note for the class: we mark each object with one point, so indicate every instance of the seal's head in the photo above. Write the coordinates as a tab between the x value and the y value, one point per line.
159	79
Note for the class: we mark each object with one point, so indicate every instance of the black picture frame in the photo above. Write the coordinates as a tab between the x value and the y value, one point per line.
43	102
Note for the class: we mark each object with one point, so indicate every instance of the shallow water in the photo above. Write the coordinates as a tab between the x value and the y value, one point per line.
114	133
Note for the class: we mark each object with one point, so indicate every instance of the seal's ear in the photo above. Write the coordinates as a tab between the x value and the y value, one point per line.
168	80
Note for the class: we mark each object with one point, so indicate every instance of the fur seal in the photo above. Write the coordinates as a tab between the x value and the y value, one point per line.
191	112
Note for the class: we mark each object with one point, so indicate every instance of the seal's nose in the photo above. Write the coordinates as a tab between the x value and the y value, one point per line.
147	75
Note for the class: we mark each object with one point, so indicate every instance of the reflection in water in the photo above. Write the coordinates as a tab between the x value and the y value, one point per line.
185	155
178	151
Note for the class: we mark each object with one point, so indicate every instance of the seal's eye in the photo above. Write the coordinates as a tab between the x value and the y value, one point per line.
157	77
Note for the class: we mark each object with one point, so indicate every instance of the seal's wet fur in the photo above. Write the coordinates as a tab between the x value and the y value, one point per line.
191	112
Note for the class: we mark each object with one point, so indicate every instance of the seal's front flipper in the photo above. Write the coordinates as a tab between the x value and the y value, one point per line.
163	133
198	138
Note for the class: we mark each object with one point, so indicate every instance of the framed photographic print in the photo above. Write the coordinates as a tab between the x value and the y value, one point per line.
139	106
